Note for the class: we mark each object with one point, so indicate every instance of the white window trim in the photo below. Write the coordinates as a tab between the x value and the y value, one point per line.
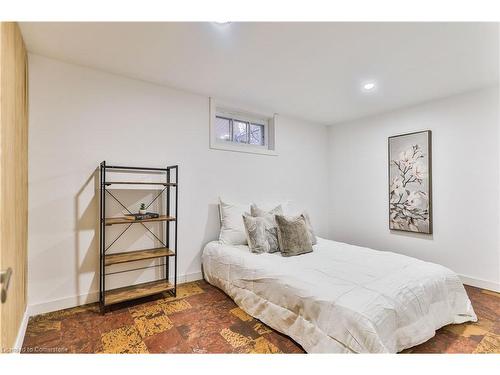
269	147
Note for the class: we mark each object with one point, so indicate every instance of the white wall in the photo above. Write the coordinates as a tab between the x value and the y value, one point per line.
80	116
465	177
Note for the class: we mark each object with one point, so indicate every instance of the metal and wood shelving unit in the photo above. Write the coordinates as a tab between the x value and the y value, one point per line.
168	249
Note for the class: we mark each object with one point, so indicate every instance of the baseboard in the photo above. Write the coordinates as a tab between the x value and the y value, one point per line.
22	331
190	277
483	284
62	303
83	299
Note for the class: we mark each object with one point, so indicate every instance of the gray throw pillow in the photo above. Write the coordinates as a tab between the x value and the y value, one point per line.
293	236
255	228
271	227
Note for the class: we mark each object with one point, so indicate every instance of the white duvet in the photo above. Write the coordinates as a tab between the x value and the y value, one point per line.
341	298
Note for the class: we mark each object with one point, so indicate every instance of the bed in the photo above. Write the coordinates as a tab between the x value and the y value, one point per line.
341	298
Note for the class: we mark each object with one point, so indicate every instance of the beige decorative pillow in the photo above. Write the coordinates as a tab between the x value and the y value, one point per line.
293	236
255	228
271	227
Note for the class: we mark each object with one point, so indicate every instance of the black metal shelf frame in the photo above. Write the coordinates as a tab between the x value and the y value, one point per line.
171	181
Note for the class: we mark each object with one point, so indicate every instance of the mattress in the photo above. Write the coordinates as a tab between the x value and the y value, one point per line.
341	298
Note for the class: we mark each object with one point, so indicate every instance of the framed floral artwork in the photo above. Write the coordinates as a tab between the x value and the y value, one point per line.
410	189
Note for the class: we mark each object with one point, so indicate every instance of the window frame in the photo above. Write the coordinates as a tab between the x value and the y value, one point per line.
225	112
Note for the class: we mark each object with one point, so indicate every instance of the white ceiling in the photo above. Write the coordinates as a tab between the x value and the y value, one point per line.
308	70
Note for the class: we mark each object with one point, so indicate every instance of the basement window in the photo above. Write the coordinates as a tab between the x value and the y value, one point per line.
235	130
239	131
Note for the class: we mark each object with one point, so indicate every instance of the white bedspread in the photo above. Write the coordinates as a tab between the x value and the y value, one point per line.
341	298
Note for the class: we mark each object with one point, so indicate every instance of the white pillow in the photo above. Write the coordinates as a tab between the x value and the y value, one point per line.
232	229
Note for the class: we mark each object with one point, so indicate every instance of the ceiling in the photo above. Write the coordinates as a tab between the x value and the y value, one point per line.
312	71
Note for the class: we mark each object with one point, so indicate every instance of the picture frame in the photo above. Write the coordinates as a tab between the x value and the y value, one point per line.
410	182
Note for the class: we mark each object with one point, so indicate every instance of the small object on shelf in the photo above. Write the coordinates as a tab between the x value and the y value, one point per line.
142	216
142	210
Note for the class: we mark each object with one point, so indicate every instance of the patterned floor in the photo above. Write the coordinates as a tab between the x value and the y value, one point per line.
202	319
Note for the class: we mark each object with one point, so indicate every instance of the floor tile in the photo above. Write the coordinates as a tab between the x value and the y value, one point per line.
123	340
174	306
150	320
489	344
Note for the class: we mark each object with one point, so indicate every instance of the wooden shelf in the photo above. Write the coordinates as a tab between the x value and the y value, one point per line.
131	256
123	220
136	291
151	183
139	183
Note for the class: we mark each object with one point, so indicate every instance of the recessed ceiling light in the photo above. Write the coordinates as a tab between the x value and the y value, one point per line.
369	86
